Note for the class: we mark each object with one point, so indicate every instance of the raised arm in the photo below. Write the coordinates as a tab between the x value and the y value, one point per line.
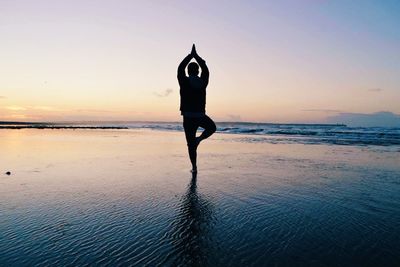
205	74
182	67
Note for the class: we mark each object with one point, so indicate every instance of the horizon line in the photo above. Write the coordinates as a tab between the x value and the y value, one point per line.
155	121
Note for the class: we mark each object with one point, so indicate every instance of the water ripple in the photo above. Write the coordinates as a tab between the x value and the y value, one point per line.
248	220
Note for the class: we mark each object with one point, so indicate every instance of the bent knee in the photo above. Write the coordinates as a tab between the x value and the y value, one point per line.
213	128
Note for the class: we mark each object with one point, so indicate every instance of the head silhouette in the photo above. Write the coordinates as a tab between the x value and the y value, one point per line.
193	69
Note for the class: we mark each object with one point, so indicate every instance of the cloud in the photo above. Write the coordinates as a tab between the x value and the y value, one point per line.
94	110
376	90
45	108
15	108
234	117
2	97
377	119
164	93
19	116
322	110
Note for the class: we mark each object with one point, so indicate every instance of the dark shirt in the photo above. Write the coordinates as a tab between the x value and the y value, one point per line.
193	88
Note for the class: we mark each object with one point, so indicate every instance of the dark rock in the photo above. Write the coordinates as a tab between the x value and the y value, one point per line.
8	173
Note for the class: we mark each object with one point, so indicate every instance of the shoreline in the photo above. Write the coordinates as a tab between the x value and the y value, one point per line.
307	135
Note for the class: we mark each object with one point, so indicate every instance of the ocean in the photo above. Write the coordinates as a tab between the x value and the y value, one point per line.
332	134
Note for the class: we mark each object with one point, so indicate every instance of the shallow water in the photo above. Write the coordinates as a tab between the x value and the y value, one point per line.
78	198
274	133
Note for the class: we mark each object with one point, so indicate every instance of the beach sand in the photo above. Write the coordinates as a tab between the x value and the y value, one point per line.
126	197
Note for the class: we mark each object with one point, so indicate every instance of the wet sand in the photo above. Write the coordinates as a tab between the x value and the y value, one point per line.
126	198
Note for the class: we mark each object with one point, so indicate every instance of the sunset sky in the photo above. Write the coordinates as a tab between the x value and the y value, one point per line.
270	61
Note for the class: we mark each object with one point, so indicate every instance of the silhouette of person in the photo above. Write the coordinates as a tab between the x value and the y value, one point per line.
193	103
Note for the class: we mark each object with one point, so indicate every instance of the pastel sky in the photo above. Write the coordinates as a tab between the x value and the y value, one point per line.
270	61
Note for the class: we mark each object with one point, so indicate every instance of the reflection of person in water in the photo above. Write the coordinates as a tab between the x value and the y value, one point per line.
193	103
191	238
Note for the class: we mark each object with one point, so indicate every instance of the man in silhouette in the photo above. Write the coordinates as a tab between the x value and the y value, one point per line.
193	103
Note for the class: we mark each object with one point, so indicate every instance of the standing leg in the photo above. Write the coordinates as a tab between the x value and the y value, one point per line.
209	128
190	126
